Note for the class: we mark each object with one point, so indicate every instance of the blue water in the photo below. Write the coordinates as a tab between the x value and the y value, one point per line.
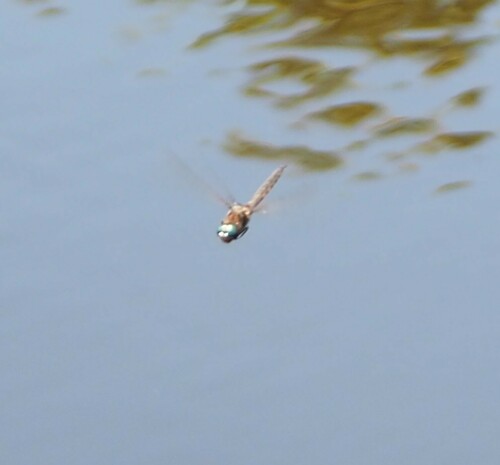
357	326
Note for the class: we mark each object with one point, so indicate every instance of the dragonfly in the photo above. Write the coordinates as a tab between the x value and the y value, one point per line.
235	223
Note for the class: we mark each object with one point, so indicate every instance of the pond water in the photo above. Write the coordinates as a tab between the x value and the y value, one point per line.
356	323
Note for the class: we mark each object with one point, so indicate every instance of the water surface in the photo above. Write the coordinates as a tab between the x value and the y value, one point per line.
357	324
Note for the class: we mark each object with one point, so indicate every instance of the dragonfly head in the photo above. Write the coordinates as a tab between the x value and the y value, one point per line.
229	232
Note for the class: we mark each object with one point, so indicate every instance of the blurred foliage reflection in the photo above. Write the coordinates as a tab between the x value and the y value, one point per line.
439	38
367	24
305	157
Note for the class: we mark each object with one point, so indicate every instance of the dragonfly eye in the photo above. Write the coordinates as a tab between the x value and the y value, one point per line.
229	231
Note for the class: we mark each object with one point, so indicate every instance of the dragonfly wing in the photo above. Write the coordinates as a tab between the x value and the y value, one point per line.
198	181
265	188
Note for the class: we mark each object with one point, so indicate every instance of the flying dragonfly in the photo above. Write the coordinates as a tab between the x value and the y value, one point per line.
235	223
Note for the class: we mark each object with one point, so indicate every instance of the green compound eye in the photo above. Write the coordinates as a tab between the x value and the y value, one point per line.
227	230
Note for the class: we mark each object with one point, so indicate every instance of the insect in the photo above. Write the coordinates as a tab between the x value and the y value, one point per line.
235	223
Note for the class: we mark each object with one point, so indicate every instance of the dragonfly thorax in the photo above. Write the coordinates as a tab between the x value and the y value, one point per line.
234	225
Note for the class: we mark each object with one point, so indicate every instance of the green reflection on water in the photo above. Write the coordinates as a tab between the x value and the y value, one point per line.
454	140
452	186
238	24
386	28
308	159
469	98
319	80
354	23
51	11
348	114
432	34
403	125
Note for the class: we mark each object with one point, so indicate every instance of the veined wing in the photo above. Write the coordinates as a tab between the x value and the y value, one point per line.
200	182
266	187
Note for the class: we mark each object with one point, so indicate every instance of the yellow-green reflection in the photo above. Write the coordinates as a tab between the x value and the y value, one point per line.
452	186
308	159
314	75
469	98
348	114
355	23
432	34
402	125
448	61
238	24
52	11
47	10
454	140
385	28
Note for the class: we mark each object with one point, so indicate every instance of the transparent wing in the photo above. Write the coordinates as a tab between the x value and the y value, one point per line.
198	181
266	187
